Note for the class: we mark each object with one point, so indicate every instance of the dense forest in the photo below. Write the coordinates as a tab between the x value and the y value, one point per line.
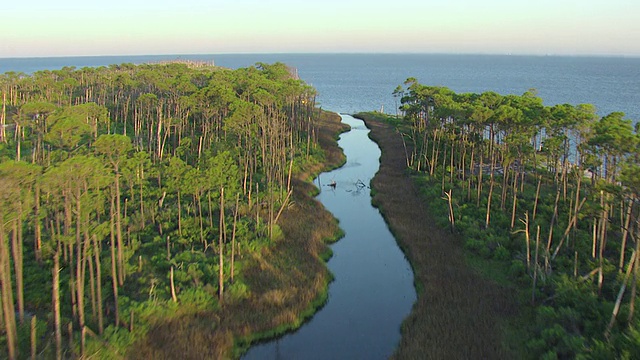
549	192
132	193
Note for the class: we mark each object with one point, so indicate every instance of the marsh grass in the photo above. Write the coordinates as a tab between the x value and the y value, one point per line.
461	312
286	282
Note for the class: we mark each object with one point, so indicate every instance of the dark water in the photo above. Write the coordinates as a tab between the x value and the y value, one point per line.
373	288
361	82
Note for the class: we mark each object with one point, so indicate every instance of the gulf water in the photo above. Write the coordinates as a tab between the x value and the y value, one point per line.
361	82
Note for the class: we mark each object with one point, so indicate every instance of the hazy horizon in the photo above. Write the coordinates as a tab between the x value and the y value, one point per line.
326	53
38	28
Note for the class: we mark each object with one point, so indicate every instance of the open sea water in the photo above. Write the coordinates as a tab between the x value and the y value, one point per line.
349	83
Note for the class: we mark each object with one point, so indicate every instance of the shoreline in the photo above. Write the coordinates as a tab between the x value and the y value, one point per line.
458	313
280	300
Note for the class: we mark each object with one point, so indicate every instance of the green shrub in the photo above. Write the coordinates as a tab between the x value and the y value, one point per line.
501	253
517	269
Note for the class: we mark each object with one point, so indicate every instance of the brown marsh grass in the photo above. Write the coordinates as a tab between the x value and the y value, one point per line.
459	314
288	281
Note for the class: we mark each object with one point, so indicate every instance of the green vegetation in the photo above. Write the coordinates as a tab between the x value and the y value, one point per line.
458	313
550	195
159	211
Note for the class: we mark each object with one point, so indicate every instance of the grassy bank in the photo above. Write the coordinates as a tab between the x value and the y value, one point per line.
285	283
461	311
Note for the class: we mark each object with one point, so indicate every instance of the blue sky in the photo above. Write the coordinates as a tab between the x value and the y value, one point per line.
133	27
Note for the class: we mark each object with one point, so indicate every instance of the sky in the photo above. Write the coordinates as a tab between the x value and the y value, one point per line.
34	28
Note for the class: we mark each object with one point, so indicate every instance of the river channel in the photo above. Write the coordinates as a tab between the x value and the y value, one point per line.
373	287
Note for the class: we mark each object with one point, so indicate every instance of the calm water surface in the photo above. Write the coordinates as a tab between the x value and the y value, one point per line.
363	82
373	288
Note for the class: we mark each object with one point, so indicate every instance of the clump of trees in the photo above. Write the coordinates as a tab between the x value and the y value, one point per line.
125	190
553	191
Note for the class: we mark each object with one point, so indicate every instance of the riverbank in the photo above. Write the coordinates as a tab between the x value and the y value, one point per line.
459	313
286	282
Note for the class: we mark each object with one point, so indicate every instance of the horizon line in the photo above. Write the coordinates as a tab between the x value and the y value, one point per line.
578	55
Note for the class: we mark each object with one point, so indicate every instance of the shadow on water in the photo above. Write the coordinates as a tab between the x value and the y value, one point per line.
373	288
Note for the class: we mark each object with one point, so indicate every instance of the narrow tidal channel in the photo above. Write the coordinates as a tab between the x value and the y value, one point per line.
373	288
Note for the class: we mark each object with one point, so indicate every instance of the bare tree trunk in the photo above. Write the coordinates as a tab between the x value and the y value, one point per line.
480	171
38	229
535	268
634	283
96	254
34	339
572	222
535	203
16	247
121	271
56	304
623	287
179	215
114	272
452	219
525	222
7	296
625	234
488	216
173	287
233	236
594	238
603	235
3	117
79	272
221	247
551	225
515	200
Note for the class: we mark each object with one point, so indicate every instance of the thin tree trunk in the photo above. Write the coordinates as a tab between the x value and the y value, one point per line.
535	203
572	222
3	116
79	272
551	225
16	247
96	254
480	171
34	339
452	219
625	234
535	268
603	235
221	247
173	287
527	239
233	237
9	313
594	238
121	271
488	215
114	272
179	215
56	303
623	287
634	283
515	201
38	229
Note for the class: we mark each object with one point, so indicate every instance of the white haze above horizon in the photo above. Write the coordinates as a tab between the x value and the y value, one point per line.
35	28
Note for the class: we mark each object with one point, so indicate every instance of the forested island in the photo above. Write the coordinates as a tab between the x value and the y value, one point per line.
160	210
545	198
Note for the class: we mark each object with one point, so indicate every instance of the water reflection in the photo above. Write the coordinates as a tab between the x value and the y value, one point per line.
373	288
